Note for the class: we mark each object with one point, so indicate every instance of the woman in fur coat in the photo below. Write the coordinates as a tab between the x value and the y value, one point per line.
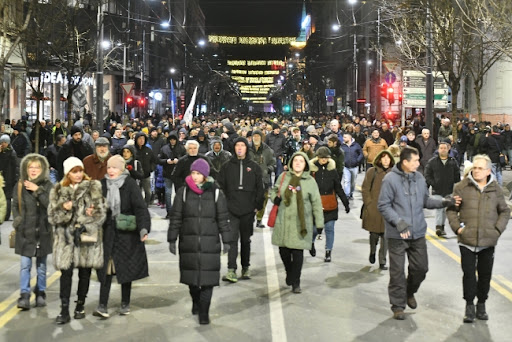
33	232
124	251
77	211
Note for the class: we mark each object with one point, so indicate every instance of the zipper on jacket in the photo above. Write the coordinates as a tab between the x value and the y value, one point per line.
240	186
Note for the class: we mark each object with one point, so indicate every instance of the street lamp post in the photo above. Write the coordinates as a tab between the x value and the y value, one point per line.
99	72
355	66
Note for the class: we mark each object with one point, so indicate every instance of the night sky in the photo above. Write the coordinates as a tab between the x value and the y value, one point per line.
252	17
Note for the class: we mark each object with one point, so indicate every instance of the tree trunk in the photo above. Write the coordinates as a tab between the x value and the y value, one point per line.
478	89
37	127
2	94
455	94
69	108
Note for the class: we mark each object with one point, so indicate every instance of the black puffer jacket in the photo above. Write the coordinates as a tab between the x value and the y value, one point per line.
125	248
327	179
72	149
182	169
170	152
442	177
33	232
198	221
145	155
8	168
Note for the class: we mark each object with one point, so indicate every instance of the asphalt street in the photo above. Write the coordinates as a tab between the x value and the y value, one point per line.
345	300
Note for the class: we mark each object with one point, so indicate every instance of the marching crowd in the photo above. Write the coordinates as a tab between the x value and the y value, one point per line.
82	195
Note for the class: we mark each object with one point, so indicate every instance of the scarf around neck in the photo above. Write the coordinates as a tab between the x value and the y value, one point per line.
201	188
295	187
113	195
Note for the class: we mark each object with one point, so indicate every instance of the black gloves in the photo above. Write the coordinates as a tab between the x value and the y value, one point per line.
277	200
448	201
76	234
347	209
319	231
402	226
172	247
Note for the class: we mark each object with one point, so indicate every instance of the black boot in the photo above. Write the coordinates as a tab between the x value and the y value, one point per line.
79	309
24	301
481	314
63	317
312	251
327	256
204	312
470	313
40	298
440	231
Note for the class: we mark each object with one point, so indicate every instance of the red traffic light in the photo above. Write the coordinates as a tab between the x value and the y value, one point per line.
384	90
129	100
142	101
391	95
400	97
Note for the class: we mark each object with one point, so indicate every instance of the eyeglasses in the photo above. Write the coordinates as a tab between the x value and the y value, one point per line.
480	168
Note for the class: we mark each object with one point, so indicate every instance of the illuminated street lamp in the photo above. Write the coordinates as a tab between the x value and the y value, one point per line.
335	27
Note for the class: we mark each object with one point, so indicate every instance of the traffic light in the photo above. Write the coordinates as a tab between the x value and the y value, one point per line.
286	108
142	102
384	90
129	102
400	97
391	95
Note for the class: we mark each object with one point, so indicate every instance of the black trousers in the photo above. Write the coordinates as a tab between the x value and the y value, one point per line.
126	290
292	260
383	251
481	262
241	228
8	208
201	293
84	278
399	288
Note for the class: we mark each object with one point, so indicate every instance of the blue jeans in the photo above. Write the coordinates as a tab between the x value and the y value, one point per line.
279	168
349	180
329	234
168	194
496	170
26	266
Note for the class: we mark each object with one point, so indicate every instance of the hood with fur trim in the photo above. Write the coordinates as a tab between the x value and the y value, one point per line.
313	164
29	158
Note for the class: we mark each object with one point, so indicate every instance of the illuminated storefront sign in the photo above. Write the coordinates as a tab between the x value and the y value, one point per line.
58	78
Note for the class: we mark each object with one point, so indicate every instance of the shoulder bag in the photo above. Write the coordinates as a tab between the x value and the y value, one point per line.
275	208
126	223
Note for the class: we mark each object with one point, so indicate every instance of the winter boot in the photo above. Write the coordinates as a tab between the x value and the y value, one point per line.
470	313
24	301
195	301
204	312
440	231
63	317
312	251
327	256
79	310
481	314
40	298
101	311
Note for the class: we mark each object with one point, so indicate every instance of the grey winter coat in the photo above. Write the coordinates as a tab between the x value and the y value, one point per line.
264	157
199	221
33	232
485	213
65	254
403	197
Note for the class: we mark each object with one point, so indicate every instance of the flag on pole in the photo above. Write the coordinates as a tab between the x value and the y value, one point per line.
189	113
172	100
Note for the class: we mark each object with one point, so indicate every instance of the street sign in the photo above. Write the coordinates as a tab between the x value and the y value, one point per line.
330	100
390	66
127	87
361	100
330	92
414	89
390	78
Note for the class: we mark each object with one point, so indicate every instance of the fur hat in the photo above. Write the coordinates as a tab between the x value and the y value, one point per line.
5	138
323	152
70	163
201	166
116	161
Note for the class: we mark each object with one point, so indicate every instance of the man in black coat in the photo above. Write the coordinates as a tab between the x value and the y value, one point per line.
492	145
148	161
241	179
442	172
51	154
277	142
182	169
8	168
168	158
75	147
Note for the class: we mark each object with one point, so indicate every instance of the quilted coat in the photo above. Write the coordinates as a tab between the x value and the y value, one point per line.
33	232
65	253
198	222
125	248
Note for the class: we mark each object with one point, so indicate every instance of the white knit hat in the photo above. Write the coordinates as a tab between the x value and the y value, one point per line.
70	163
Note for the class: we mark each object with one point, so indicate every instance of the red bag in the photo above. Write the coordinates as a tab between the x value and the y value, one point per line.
272	216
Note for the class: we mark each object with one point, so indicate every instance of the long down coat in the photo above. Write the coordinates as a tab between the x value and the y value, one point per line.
65	253
32	227
198	222
287	227
125	248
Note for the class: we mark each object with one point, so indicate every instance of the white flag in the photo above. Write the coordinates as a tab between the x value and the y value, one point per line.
189	113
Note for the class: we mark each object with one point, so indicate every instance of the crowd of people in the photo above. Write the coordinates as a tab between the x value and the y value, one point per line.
83	196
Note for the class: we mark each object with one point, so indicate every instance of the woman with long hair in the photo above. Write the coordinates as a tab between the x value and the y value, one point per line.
77	211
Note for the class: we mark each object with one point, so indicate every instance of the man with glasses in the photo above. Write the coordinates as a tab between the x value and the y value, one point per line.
403	196
478	224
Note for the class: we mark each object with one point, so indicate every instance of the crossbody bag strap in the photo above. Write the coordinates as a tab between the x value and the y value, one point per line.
280	184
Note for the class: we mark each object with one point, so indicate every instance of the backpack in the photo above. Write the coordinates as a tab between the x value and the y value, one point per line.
185	194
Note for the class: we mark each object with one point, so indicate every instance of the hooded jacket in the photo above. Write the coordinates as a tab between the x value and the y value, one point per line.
72	149
372	183
218	158
8	169
33	232
264	157
145	156
65	222
286	230
328	181
403	197
133	165
170	152
242	182
484	212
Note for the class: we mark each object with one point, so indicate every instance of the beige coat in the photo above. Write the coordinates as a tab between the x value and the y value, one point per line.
371	148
